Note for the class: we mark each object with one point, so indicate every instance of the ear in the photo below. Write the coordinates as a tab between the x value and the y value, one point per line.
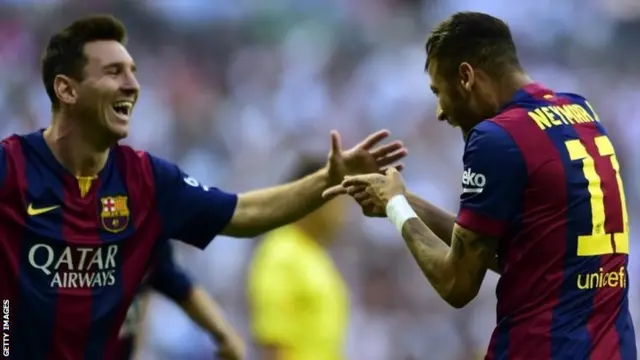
65	89
467	76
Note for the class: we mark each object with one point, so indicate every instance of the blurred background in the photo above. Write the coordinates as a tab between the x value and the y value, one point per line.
236	90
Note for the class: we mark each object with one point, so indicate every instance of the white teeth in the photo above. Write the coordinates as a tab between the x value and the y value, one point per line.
127	104
124	106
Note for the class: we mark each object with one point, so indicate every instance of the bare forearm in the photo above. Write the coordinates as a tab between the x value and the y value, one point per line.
205	312
440	222
266	209
430	254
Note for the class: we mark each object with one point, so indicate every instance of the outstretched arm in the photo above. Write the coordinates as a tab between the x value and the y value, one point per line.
266	209
262	210
194	213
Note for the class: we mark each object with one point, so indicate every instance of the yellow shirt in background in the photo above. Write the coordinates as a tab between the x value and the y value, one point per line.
298	298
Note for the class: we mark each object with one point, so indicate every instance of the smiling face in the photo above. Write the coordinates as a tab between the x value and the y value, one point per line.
109	88
470	58
457	103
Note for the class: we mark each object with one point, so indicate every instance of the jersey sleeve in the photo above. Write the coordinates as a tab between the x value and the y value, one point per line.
272	293
190	212
168	278
493	180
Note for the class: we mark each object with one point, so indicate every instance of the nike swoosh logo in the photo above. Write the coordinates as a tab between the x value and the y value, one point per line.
33	211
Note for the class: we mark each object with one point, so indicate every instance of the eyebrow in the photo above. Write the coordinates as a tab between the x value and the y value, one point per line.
120	64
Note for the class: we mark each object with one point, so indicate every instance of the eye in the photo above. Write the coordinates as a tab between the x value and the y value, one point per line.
113	70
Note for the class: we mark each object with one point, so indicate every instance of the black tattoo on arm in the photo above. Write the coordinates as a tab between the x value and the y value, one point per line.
455	272
430	252
478	252
440	222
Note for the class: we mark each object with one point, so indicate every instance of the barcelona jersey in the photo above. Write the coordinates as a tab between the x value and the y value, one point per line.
543	177
72	260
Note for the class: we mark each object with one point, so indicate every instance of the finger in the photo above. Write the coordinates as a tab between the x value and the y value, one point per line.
391	158
391	171
359	180
366	203
398	167
386	149
336	146
373	139
352	190
334	191
361	197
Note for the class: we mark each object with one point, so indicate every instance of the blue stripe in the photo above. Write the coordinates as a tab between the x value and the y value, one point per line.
503	327
623	322
36	309
569	333
625	330
3	164
106	299
501	349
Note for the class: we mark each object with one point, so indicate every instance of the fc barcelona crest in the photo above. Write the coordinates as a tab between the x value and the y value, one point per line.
115	213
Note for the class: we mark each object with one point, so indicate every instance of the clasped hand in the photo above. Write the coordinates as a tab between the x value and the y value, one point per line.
371	191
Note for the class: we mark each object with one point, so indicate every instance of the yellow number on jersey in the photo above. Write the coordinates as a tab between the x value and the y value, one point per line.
599	242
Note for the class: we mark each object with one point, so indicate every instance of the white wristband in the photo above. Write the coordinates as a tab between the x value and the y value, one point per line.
399	211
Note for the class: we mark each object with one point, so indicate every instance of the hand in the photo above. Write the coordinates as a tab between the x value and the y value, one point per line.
363	158
230	346
371	191
362	195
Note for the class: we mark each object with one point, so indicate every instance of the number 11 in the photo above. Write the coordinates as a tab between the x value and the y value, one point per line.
599	242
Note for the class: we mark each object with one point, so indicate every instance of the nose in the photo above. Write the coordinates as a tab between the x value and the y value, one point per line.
440	114
130	85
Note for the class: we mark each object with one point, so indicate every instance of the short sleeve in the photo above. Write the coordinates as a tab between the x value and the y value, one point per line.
493	180
272	294
168	278
191	212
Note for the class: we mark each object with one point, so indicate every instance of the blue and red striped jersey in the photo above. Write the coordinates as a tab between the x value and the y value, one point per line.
70	265
543	177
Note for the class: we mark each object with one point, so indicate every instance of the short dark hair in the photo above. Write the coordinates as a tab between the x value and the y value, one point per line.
480	39
64	54
305	166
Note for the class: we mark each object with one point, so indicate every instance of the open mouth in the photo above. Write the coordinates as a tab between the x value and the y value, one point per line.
123	108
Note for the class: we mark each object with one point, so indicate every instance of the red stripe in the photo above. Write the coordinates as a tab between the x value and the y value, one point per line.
139	181
601	323
541	240
473	221
12	223
79	222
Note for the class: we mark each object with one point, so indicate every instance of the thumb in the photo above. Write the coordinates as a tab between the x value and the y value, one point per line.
336	147
392	172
